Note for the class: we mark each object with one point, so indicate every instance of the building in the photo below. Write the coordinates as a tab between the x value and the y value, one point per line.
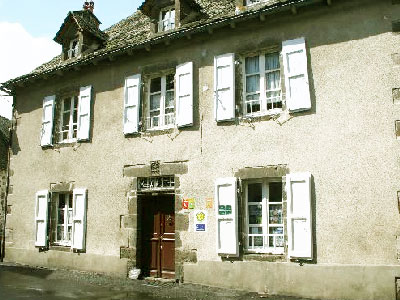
244	144
4	156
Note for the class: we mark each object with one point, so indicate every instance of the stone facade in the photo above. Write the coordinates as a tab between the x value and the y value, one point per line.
347	141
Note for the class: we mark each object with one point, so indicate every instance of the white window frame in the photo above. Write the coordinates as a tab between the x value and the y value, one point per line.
162	117
263	88
64	223
254	2
73	51
265	217
71	124
170	25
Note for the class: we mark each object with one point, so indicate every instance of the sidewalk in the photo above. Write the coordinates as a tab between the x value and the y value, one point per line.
120	288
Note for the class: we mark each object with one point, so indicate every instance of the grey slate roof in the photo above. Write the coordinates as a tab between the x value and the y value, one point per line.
134	31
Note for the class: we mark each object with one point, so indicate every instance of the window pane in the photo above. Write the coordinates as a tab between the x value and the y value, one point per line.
254	192
155	102
255	230
258	241
273	80
278	241
67	104
276	230
252	83
255	214
61	200
275	192
170	82
272	61
60	233
60	216
155	85
275	214
253	103
252	65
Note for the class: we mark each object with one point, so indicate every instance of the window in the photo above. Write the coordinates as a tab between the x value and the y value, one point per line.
62	218
264	217
66	213
263	94
161	102
251	2
68	119
73	49
167	19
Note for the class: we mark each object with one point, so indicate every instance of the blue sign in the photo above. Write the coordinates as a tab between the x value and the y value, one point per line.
200	227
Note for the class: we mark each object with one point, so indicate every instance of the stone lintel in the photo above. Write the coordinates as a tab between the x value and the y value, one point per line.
261	172
61	187
173	168
137	171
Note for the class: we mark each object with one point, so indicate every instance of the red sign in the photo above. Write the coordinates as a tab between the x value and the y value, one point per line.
185	204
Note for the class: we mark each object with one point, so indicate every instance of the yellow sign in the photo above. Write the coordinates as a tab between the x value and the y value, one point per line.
200	216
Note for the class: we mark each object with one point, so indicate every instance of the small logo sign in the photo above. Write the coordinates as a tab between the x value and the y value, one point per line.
200	221
200	227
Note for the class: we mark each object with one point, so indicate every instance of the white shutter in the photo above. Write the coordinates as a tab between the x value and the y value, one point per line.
132	104
46	136
79	219
300	241
184	94
227	217
296	75
41	209
84	113
224	87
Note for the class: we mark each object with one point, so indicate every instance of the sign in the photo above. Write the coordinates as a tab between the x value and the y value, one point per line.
209	203
191	203
200	221
185	204
224	210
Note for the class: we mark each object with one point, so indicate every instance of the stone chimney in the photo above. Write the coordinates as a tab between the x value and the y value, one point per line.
88	5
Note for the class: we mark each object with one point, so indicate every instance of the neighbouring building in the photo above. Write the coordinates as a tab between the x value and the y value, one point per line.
242	144
5	125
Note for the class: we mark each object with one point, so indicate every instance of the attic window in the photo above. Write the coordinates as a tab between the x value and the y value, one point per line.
73	49
167	19
251	2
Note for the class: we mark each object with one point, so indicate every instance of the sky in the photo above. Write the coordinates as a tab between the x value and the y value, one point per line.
27	29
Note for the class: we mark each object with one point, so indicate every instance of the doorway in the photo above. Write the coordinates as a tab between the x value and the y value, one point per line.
158	235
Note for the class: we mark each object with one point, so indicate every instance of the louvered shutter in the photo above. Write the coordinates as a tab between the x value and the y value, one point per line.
224	87
184	94
227	217
41	218
132	104
84	105
46	136
79	219
296	75
300	241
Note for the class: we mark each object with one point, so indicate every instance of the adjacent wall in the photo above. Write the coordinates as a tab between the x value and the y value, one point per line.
347	141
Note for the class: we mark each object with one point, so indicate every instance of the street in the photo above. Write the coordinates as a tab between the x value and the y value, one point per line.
21	282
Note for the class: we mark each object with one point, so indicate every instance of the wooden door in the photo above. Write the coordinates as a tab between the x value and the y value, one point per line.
159	236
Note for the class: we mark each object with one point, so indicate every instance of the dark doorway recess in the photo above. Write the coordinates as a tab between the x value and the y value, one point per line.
158	235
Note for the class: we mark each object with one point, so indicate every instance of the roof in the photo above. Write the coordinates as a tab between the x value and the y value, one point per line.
134	32
86	21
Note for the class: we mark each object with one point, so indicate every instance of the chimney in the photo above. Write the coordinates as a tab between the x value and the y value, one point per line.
88	5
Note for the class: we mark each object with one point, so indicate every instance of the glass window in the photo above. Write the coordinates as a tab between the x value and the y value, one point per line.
262	84
161	102
62	217
68	119
265	229
167	19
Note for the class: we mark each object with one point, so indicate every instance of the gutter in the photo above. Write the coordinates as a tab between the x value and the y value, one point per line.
217	23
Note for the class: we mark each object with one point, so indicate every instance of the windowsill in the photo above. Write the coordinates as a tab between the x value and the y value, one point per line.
271	112
71	141
265	252
161	128
60	248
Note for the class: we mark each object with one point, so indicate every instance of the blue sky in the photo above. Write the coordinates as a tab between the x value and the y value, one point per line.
42	18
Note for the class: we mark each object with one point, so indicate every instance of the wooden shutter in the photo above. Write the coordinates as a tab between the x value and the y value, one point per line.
184	94
84	113
79	219
296	75
224	87
46	136
300	239
41	213
132	104
227	217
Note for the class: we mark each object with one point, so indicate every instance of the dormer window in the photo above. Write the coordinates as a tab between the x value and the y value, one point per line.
167	19
73	49
251	2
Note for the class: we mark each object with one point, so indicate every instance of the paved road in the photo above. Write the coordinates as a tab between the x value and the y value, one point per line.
17	282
